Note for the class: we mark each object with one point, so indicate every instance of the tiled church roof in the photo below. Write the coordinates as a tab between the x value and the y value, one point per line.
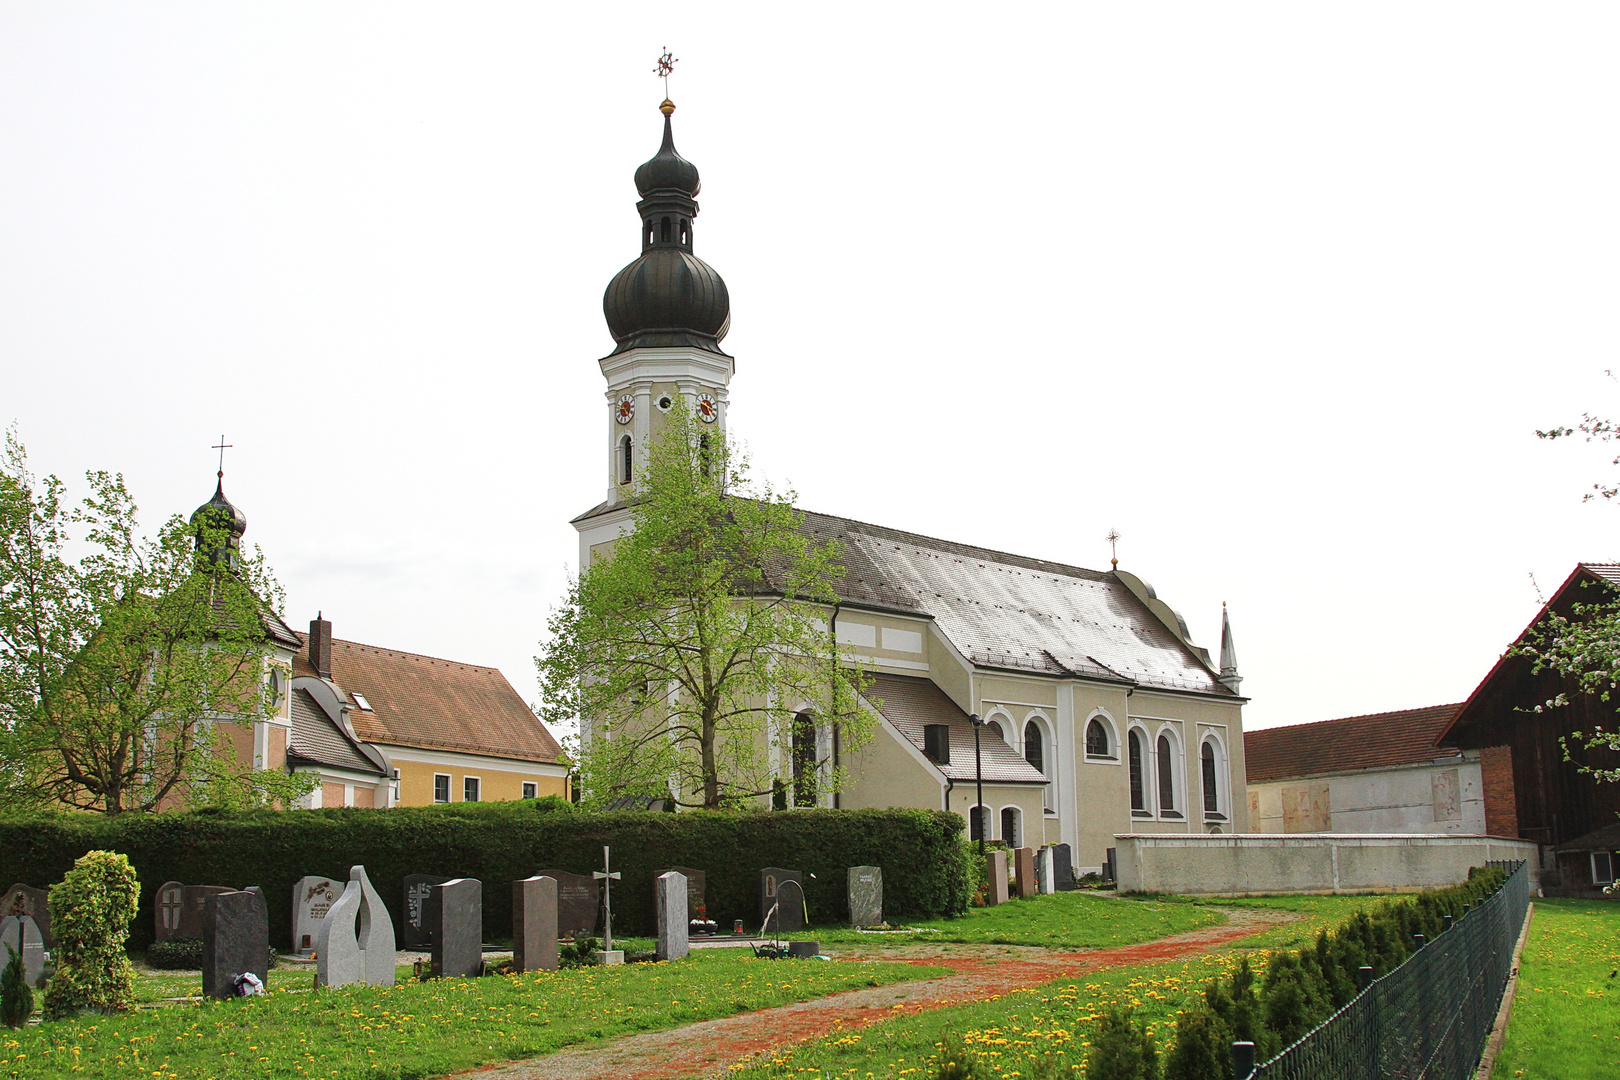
316	738
1377	740
909	703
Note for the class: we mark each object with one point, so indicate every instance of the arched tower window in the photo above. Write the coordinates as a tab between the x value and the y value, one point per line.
804	760
1034	752
1009	826
664	230
1138	779
1167	776
1097	739
686	232
627	459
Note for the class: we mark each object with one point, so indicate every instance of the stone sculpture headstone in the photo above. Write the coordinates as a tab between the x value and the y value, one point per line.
789	917
22	933
670	902
1024	872
1062	868
865	896
455	915
236	940
1045	875
26	900
769	879
313	897
995	872
414	930
696	881
579	899
356	939
534	924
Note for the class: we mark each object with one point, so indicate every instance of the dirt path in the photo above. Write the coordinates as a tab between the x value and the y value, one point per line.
706	1049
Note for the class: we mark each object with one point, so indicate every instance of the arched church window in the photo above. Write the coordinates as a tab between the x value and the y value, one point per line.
1138	779
705	455
627	459
976	824
686	232
665	230
804	760
1096	739
1009	826
1212	793
995	725
1033	751
1167	776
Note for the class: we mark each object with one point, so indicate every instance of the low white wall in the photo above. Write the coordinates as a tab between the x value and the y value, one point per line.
1307	862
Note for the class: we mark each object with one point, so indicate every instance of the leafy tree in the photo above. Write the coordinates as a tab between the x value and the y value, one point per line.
91	909
697	654
118	652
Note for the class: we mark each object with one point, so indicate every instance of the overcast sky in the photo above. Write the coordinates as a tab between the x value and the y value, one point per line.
1279	291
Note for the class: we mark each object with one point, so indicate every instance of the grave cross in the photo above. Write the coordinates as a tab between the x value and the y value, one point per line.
607	875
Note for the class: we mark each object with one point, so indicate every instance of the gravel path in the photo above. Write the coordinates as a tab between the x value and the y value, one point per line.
705	1050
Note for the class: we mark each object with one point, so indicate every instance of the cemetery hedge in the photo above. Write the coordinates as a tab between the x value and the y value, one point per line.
924	873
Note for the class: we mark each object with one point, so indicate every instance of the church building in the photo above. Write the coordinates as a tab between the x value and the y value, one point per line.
1097	713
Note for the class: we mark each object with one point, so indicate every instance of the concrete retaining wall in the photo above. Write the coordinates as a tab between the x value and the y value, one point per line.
1308	862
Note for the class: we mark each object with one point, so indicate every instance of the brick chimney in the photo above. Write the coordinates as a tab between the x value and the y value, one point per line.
320	646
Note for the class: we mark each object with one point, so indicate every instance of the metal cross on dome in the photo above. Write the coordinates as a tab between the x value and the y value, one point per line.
1113	543
607	876
221	446
666	65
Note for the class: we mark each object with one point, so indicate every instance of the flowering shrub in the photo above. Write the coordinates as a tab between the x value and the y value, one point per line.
91	910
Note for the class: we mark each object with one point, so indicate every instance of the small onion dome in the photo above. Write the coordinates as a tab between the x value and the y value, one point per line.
667	297
221	513
667	171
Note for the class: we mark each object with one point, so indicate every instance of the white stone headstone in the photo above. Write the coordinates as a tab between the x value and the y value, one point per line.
356	942
313	897
673	930
21	933
1046	871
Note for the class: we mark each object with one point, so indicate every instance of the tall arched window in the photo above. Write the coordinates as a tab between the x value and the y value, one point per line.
1097	739
1167	776
1034	753
665	230
627	459
995	725
1138	777
1009	826
804	760
1212	787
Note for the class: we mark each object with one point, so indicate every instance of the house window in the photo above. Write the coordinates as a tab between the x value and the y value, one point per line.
1138	780
1009	826
441	787
1212	798
1097	739
1167	778
531	790
1032	745
469	789
1602	868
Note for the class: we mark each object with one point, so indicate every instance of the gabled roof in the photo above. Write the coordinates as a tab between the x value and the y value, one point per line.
1604	839
910	703
1377	740
317	739
433	704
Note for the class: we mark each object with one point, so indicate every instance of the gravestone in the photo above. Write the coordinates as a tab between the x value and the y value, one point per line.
769	879
579	898
1062	868
414	930
995	872
696	881
789	916
534	924
312	898
1024	872
1045	875
865	896
803	949
355	942
171	897
236	940
23	900
22	933
671	903
455	915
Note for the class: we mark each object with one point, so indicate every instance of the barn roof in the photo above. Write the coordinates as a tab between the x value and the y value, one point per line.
1376	740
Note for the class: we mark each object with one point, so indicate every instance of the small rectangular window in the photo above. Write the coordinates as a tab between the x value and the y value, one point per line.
937	743
441	787
531	790
1602	868
469	789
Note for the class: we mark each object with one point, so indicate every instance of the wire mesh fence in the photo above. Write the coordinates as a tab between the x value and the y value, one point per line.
1429	1018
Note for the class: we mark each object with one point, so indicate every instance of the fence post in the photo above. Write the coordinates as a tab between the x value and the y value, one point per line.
1448	920
1366	974
1242	1060
1419	940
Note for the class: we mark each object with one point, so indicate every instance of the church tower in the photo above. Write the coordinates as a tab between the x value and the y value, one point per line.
668	311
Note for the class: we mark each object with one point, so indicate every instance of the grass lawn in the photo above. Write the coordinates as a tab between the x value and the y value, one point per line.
1565	1023
1053	1019
423	1029
1069	920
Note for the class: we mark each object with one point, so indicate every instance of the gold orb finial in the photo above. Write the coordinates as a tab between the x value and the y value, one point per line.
667	108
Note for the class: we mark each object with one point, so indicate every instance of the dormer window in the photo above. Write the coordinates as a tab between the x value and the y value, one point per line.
360	700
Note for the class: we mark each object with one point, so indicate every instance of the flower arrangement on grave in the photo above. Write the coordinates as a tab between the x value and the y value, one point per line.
91	909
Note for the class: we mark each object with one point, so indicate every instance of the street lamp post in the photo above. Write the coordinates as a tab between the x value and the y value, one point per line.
978	772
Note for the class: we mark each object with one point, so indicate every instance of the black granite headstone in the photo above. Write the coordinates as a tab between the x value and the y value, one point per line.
236	940
23	900
695	881
1062	868
579	901
415	931
770	879
455	917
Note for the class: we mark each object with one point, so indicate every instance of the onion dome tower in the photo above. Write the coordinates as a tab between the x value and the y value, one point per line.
218	526
668	311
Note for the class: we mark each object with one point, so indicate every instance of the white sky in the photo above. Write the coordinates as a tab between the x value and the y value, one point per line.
1280	291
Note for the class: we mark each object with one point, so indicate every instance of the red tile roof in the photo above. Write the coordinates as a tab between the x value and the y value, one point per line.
1377	740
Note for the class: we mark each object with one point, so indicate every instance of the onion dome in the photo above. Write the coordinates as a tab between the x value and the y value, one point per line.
219	513
668	297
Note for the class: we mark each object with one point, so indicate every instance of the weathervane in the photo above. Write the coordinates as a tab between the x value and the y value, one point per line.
1113	544
666	64
221	447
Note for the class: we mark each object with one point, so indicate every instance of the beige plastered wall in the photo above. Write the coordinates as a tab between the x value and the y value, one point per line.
888	771
494	784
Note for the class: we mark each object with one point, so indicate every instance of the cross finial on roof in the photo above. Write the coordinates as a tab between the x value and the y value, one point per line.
1113	544
666	66
221	446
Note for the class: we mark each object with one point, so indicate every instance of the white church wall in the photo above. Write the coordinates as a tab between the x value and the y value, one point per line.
1429	797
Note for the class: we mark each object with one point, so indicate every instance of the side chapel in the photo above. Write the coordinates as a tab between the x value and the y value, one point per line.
1100	714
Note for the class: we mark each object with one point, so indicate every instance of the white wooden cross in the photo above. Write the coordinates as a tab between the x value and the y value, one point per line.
607	875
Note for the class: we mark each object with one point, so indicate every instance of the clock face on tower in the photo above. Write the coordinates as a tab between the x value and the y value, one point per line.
625	409
707	410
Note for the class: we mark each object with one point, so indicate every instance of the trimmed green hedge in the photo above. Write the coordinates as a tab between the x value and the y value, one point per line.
498	843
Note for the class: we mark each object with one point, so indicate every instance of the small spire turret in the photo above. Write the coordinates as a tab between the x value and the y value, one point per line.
1229	677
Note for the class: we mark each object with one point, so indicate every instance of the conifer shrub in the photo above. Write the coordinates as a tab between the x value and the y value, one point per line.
1121	1049
16	996
1203	1048
91	909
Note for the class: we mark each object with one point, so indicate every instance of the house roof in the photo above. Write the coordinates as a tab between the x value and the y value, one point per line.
433	704
1377	740
1604	839
910	703
316	738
